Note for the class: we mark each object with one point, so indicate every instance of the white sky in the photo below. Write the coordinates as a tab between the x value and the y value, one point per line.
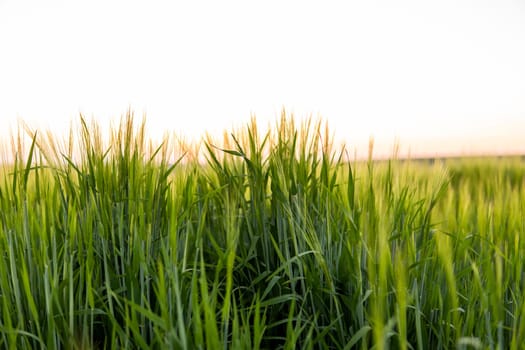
444	76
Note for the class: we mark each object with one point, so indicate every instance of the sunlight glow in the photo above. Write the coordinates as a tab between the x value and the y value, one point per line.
444	77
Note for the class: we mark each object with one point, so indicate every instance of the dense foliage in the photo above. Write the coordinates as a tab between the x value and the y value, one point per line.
272	240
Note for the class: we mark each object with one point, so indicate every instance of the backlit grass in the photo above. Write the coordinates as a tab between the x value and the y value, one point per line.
261	241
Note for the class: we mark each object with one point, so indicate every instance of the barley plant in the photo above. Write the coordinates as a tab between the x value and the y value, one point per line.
274	240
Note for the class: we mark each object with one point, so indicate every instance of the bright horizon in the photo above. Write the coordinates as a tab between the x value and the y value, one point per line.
439	78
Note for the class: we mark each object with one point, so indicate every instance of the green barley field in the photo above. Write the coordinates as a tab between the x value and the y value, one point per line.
276	240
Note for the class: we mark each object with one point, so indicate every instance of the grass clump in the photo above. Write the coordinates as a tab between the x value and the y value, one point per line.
277	240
